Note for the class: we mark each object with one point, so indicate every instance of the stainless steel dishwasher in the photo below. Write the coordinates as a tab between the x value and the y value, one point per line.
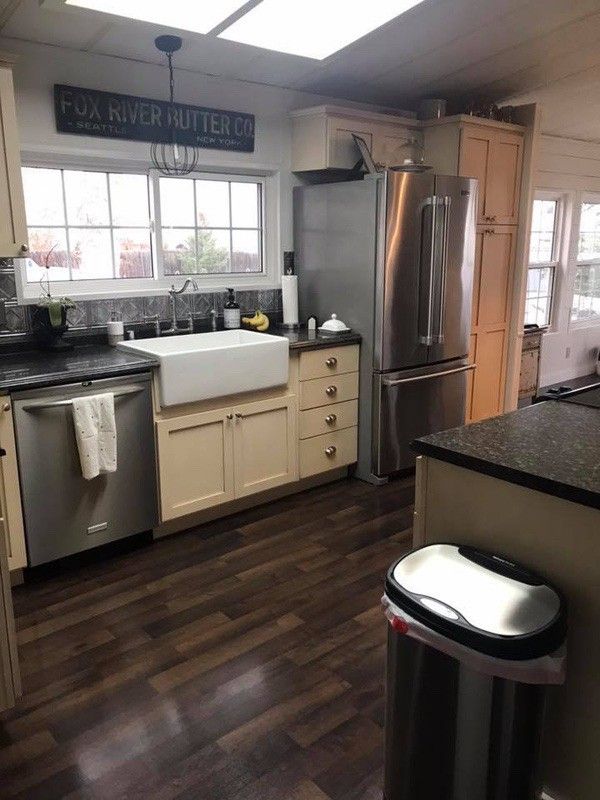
63	512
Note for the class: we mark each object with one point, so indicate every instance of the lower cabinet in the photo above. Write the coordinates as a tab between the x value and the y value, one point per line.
212	457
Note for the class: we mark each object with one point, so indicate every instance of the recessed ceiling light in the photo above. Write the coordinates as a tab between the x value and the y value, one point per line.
312	28
198	16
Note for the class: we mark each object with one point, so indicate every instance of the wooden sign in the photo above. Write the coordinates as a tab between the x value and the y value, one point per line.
90	112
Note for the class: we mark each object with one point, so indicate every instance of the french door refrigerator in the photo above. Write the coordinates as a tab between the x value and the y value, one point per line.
393	256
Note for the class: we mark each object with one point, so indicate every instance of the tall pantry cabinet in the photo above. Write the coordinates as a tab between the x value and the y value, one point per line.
492	152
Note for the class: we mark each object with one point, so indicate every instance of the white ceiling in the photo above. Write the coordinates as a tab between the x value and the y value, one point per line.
443	48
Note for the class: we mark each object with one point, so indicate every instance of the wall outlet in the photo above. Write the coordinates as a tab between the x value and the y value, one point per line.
568	352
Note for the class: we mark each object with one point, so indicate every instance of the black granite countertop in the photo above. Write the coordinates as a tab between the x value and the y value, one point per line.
552	447
301	339
35	368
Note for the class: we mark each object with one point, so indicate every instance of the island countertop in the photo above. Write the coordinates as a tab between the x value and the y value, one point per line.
551	447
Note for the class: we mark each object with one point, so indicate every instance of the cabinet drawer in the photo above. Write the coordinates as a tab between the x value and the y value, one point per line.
325	391
317	421
330	451
329	361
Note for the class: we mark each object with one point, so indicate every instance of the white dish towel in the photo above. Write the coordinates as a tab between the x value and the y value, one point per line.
96	433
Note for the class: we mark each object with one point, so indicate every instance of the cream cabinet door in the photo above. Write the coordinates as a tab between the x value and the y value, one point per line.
503	185
342	152
265	445
10	494
13	227
195	462
495	158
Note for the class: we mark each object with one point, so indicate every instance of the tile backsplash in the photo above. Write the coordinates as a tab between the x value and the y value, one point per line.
90	314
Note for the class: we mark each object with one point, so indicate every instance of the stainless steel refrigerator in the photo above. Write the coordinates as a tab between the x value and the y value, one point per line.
393	256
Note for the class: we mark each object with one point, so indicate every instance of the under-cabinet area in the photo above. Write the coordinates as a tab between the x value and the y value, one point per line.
207	454
214	452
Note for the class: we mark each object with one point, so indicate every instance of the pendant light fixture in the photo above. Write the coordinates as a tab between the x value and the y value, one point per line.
172	158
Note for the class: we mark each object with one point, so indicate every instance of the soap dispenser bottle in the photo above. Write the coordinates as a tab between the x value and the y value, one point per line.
231	311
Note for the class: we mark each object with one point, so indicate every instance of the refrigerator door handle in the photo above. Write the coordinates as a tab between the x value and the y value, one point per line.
445	202
387	382
431	202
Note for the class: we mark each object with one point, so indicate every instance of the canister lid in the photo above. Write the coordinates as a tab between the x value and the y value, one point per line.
479	599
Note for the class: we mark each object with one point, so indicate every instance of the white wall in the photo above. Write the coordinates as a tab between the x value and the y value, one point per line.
572	167
39	67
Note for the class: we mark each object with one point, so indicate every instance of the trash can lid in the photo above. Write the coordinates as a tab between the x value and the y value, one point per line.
480	600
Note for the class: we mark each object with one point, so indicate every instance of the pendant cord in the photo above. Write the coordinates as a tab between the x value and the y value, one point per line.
171	78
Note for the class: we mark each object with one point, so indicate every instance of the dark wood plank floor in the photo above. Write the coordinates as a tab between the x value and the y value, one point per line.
243	660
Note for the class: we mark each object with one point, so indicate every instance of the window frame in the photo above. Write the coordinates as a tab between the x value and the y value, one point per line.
575	263
98	289
156	226
557	247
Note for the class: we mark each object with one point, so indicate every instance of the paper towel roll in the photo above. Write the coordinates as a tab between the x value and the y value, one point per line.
289	296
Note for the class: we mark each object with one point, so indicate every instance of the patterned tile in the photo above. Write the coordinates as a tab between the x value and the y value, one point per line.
78	317
7	287
100	311
157	304
17	319
203	304
6	262
129	309
183	306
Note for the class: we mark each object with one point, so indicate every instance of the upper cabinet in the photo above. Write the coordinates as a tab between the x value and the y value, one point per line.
494	157
13	227
322	137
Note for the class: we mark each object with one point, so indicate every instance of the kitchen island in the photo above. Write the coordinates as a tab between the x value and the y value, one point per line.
527	486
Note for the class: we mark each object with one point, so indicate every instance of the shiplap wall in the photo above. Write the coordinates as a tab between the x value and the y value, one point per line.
572	167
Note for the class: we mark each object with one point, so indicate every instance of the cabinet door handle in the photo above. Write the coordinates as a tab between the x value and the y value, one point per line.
24	248
331	419
331	362
229	416
6	407
238	415
331	390
330	451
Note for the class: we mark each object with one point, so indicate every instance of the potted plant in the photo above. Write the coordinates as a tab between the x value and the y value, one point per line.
50	314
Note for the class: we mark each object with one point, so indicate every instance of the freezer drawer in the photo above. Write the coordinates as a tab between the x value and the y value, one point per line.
413	403
63	512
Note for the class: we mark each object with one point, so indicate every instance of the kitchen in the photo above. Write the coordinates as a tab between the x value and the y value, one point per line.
264	478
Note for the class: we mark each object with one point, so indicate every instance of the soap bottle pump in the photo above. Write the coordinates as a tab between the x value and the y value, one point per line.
231	311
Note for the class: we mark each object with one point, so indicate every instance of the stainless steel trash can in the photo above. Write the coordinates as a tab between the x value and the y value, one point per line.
472	642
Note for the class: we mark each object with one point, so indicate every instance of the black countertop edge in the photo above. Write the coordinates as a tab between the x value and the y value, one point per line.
530	481
64	379
301	340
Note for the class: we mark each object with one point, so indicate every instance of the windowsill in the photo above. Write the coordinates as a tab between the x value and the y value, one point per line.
582	326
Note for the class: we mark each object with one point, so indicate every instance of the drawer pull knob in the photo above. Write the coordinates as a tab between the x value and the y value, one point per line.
331	390
6	407
229	416
331	362
330	451
24	248
331	419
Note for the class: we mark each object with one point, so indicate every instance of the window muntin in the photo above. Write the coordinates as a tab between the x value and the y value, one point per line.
544	247
87	225
211	226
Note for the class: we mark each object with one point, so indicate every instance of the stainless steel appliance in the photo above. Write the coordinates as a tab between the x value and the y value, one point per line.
63	512
393	255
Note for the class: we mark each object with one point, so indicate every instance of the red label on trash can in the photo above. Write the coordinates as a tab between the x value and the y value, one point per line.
399	625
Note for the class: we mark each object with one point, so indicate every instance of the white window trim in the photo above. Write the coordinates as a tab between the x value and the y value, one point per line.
270	278
557	249
574	263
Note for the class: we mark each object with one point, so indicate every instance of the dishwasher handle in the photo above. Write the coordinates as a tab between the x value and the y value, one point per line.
119	392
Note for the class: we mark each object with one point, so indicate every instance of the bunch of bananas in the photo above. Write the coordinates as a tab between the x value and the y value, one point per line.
260	321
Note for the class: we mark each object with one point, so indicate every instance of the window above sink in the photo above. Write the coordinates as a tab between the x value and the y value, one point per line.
117	233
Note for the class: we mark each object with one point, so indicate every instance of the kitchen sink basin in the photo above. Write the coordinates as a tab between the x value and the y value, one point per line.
199	366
